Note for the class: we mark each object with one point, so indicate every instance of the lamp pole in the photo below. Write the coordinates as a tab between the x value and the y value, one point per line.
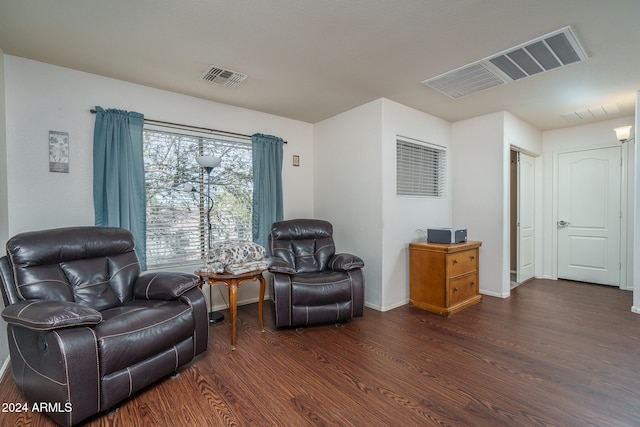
209	207
208	163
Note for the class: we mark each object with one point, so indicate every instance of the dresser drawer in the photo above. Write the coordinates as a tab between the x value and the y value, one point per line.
463	289
462	262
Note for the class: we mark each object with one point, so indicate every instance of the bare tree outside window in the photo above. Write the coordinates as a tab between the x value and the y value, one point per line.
177	194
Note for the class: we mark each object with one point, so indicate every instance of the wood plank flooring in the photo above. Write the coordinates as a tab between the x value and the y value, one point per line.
553	354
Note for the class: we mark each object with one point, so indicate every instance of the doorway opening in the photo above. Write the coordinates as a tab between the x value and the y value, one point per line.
522	218
513	216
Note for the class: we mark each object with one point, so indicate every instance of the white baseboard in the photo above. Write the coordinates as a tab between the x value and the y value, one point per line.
218	307
494	294
373	306
396	305
378	307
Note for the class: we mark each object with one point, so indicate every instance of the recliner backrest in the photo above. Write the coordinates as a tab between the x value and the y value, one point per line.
92	266
306	244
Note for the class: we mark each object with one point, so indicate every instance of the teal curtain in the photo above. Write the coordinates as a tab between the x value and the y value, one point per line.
267	185
118	174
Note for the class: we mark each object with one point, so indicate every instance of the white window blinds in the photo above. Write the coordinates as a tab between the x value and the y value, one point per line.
177	199
421	168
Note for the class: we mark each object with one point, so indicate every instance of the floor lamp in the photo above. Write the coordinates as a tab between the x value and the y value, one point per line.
208	163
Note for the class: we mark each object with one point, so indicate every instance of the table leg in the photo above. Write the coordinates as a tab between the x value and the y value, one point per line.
210	301
233	309
261	303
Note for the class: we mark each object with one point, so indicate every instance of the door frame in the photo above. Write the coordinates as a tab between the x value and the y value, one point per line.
508	244
623	208
519	199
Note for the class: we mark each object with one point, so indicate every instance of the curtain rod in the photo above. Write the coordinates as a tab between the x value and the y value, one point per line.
177	125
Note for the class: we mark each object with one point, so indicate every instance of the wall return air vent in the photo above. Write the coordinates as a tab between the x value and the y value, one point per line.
554	50
223	76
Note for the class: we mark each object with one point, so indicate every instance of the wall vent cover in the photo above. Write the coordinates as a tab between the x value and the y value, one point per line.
554	50
223	76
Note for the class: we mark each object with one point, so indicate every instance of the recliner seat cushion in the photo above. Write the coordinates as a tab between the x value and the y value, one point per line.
304	315
131	333
320	288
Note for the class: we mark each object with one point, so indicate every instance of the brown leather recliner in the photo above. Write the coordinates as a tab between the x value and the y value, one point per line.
85	328
309	282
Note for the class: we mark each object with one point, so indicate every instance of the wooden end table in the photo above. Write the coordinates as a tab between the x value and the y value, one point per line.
232	282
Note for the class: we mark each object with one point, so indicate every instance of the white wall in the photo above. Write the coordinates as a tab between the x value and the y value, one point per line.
44	97
481	165
595	135
355	155
478	193
4	209
521	136
348	187
403	216
635	216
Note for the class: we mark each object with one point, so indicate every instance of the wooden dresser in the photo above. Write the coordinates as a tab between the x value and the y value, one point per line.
444	278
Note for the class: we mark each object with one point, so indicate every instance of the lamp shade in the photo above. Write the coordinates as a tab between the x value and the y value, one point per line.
208	161
623	133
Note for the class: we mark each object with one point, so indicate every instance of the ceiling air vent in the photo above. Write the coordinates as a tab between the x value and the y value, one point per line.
223	77
551	51
592	112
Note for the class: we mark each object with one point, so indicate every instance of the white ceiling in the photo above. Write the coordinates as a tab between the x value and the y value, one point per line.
312	59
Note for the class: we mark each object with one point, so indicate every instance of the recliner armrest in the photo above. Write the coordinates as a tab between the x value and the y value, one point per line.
163	285
345	262
45	315
278	265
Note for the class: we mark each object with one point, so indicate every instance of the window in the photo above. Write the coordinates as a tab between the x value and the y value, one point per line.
421	168
177	193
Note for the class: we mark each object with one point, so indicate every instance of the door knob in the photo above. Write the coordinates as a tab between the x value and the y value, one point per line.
563	224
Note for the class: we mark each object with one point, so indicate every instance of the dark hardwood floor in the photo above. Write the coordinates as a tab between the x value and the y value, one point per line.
553	354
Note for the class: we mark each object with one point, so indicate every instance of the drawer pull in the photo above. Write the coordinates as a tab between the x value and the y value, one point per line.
472	283
455	289
455	261
473	258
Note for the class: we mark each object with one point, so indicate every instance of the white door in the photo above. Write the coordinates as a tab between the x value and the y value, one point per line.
526	218
589	216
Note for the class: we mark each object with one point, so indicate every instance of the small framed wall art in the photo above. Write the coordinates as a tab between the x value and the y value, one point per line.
58	151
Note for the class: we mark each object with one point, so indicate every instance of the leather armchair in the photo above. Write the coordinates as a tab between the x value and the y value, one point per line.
308	282
86	329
